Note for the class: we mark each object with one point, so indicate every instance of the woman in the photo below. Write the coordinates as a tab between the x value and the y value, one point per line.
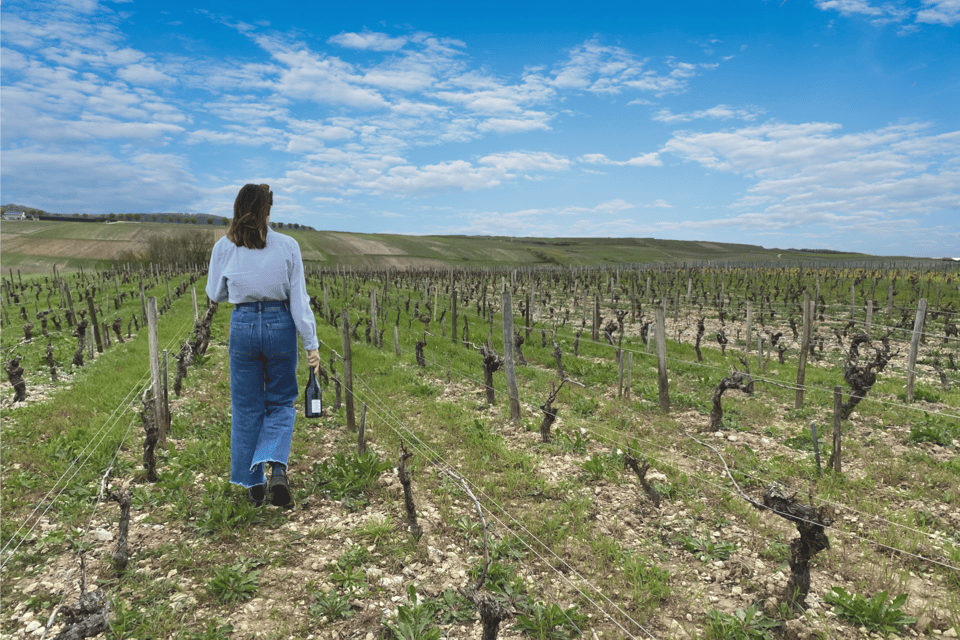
261	273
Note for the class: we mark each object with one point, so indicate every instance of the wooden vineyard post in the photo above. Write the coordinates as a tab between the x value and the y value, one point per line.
94	323
509	366
373	318
396	340
408	502
662	379
71	313
157	384
166	400
869	321
362	433
347	369
629	375
746	348
595	335
453	297
836	455
804	349
196	312
914	347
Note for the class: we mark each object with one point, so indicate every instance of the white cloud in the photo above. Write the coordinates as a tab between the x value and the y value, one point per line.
368	40
611	70
719	112
141	74
522	161
644	160
457	174
945	12
809	174
659	204
305	75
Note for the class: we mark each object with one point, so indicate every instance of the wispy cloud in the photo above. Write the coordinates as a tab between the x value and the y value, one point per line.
942	12
719	112
810	174
644	160
368	41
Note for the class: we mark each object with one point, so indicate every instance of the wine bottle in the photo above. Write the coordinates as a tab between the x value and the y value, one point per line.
312	397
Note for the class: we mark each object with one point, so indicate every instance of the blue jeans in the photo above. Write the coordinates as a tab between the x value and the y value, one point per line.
263	388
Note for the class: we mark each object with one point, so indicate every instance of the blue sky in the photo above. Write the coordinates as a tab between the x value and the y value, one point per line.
791	123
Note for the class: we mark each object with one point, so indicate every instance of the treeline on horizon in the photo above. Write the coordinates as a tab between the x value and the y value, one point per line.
171	218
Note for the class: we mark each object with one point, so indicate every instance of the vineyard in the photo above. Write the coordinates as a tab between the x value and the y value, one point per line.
736	451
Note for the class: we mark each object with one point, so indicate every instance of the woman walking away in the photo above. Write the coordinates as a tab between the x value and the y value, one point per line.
261	272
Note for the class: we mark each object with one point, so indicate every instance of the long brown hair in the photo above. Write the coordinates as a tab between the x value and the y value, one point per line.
250	210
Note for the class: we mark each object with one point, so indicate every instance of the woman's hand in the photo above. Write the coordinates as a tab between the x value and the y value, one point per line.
313	360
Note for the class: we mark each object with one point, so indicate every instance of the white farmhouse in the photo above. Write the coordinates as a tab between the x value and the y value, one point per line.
14	214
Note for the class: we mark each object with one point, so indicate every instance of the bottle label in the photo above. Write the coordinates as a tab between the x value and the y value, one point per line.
315	406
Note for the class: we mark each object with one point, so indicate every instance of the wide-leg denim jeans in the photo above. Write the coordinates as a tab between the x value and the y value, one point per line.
263	388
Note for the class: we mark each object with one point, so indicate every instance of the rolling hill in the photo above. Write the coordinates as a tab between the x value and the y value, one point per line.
35	246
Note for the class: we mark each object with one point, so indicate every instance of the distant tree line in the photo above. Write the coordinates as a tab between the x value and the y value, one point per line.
171	218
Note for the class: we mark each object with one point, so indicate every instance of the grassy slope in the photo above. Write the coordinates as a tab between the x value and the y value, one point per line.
373	250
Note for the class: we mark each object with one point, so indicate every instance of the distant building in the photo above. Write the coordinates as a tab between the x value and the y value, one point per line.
14	214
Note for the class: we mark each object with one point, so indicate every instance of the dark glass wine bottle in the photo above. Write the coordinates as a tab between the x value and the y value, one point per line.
311	397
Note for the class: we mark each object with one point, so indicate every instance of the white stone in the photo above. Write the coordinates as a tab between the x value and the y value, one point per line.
101	535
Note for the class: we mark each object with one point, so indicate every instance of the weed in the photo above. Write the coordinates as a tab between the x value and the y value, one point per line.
375	530
510	548
935	430
348	476
350	579
776	551
124	620
875	613
596	467
215	630
803	441
921	393
224	514
331	606
706	549
468	526
742	624
550	622
353	557
648	583
413	621
575	443
233	583
584	406
454	608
